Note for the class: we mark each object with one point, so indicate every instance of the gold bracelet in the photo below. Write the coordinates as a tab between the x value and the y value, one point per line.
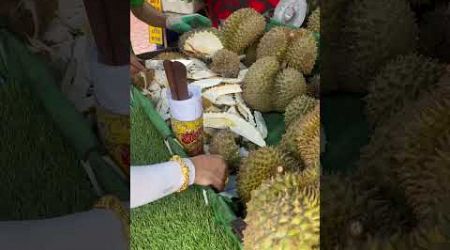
113	203
184	170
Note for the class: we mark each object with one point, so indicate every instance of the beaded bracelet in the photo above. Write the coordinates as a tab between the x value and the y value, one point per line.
184	170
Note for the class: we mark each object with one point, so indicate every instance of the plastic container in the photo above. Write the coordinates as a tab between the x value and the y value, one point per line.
187	120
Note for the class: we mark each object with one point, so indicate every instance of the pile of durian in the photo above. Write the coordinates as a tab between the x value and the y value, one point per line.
399	197
243	71
251	71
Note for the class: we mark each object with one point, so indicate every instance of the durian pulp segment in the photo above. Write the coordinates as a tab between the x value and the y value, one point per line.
204	43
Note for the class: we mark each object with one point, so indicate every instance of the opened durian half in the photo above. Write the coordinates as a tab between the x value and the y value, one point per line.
201	43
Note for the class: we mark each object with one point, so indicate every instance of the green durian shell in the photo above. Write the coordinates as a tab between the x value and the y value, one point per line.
375	32
226	63
298	108
260	165
274	43
302	52
242	28
258	85
284	213
399	82
289	83
224	144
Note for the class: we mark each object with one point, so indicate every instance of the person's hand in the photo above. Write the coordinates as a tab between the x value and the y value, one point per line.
135	65
181	24
210	170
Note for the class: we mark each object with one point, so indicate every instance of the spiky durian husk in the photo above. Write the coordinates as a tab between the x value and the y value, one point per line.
375	32
258	84
419	161
224	144
242	29
302	51
260	165
435	34
274	43
407	161
284	213
314	21
251	54
313	87
307	139
339	209
289	83
207	47
169	56
298	108
226	63
422	237
399	82
303	131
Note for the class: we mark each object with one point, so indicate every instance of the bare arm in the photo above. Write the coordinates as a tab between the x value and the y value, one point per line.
149	15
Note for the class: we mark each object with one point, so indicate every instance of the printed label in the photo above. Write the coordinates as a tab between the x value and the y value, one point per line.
156	34
190	135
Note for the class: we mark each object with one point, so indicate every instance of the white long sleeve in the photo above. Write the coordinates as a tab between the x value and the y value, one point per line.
150	183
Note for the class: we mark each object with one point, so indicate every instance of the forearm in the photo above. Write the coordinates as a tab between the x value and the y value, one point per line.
149	15
150	183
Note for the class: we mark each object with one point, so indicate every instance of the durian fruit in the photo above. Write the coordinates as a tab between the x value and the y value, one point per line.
169	56
251	54
201	43
302	139
274	43
339	209
422	237
302	52
242	28
298	108
375	32
308	139
398	83
435	34
407	162
284	213
419	159
258	84
226	63
224	143
314	21
313	87
260	165
289	83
